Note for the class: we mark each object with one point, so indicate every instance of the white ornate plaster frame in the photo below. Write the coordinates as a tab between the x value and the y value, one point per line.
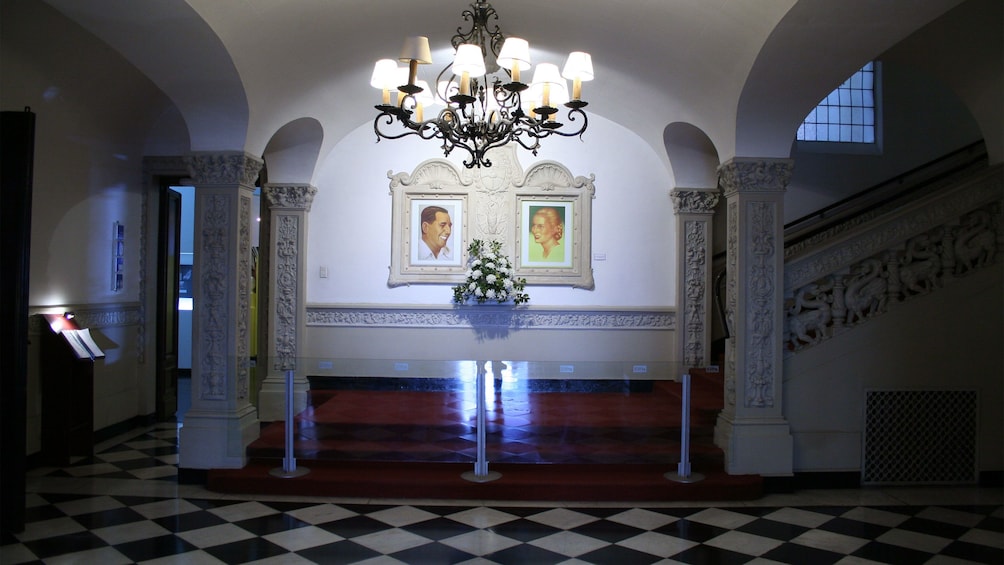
573	268
549	184
405	266
493	202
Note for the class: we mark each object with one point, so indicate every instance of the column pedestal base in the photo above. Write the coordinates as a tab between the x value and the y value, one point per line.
755	447
272	397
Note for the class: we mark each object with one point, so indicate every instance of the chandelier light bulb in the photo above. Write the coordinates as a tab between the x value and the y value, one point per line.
548	80
469	63
515	56
384	75
578	69
415	52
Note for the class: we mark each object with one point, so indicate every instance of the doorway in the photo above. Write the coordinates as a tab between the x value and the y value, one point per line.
168	289
175	296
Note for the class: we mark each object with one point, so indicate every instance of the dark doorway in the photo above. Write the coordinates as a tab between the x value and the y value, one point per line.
168	288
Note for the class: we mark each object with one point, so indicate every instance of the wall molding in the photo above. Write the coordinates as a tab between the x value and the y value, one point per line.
484	315
94	316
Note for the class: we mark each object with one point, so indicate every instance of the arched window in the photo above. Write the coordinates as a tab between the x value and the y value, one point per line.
848	114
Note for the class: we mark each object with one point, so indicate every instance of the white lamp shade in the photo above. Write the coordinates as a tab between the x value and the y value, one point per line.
578	66
416	48
385	75
400	77
515	51
469	59
534	96
547	73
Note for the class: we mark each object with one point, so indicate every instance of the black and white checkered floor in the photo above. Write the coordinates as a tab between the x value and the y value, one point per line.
125	506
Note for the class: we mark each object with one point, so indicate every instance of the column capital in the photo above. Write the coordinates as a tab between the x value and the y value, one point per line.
744	174
235	168
290	196
694	200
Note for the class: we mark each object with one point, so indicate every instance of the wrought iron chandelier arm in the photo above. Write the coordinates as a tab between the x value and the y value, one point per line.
572	113
424	130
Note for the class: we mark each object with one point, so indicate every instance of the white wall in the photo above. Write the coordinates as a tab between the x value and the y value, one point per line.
633	223
949	339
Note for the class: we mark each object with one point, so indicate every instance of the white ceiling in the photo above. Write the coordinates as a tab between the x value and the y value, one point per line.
743	72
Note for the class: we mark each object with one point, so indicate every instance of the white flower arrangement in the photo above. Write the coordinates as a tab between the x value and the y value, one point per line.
489	276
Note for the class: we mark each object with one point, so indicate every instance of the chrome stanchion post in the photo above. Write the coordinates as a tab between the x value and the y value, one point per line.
683	474
289	468
481	474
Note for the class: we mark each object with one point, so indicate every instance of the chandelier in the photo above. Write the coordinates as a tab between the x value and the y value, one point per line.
484	102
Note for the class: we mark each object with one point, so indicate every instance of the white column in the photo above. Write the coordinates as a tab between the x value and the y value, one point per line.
694	208
289	206
221	421
751	428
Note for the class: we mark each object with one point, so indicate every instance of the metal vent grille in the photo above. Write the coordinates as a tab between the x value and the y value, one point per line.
920	437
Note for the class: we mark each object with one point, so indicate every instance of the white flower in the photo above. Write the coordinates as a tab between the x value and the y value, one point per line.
489	276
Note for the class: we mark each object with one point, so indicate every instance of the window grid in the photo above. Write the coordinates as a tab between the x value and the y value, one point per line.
847	115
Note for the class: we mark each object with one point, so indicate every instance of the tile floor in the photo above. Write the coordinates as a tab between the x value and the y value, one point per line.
125	506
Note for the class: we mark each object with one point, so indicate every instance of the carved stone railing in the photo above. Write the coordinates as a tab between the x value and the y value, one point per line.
835	283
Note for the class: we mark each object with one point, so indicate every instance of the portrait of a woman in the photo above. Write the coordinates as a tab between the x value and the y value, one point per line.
547	230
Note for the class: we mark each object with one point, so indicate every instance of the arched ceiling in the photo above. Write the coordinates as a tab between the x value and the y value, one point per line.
239	70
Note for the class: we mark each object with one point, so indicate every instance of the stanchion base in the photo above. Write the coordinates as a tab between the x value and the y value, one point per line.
284	474
474	478
691	478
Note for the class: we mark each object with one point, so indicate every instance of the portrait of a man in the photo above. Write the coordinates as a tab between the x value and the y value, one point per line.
435	226
547	234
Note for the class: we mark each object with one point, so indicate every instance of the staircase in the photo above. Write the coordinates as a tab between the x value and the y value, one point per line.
844	274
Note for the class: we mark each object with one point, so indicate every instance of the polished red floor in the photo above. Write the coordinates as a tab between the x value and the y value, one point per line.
559	443
637	424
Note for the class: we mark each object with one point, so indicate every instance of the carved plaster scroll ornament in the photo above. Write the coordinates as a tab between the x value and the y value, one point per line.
290	197
225	168
865	294
810	314
762	280
694	201
244	300
212	283
285	299
975	241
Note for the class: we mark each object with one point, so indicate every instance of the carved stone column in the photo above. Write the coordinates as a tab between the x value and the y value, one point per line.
221	421
289	206
694	209
751	428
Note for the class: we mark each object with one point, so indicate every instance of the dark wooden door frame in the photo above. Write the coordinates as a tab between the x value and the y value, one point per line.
168	282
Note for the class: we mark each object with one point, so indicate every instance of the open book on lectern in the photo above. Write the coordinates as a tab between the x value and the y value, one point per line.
82	343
